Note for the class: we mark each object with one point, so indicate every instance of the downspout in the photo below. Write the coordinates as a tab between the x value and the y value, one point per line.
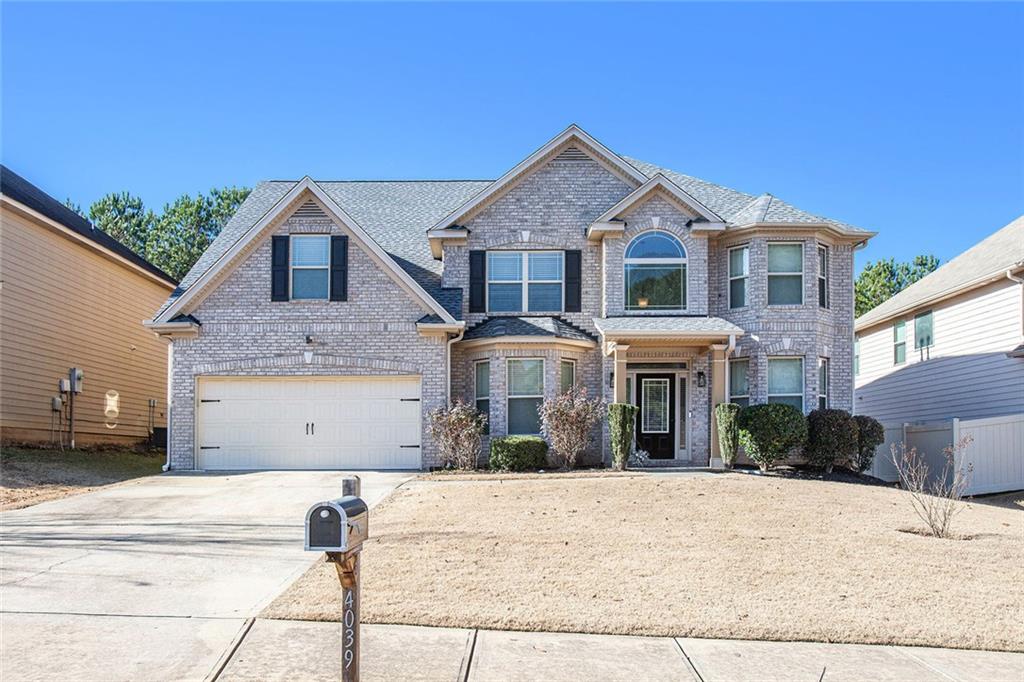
448	366
1010	276
170	392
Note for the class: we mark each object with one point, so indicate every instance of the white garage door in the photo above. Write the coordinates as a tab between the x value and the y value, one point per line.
309	423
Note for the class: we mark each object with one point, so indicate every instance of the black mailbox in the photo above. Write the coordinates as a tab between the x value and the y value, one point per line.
336	525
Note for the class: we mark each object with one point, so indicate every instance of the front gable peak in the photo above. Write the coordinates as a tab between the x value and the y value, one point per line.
611	220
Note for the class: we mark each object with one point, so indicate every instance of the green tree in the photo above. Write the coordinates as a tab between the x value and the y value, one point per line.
883	279
188	226
125	218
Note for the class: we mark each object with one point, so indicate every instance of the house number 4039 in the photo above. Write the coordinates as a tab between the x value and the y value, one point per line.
349	617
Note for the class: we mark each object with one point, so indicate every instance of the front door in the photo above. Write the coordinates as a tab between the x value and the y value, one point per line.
656	421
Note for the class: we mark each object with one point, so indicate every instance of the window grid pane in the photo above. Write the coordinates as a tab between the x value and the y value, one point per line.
655	407
544	297
545	266
522	416
663	287
785	376
505	267
311	251
525	377
483	379
568	375
786	258
739	385
785	289
309	283
655	245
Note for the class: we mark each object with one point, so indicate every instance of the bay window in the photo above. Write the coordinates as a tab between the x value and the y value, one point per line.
739	269
785	274
823	277
567	375
739	383
524	281
786	381
822	383
525	381
482	390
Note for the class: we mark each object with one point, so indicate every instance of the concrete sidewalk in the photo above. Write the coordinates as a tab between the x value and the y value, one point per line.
294	650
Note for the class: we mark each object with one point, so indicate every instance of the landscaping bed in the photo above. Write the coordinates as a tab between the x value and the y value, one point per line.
725	556
32	475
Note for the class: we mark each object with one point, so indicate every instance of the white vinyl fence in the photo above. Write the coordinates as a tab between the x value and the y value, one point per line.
996	451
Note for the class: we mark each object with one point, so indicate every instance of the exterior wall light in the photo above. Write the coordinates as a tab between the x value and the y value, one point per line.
702	379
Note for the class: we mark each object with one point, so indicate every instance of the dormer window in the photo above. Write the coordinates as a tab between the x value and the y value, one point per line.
655	273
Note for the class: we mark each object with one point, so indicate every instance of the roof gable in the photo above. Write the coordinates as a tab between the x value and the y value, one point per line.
644	191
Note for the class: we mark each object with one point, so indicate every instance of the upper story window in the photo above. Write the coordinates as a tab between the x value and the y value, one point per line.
310	266
739	271
923	330
655	273
823	277
785	274
899	342
533	278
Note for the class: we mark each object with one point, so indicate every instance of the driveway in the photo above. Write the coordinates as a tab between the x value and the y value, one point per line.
153	579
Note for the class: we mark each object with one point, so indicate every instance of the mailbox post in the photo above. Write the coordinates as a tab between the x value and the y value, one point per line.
339	527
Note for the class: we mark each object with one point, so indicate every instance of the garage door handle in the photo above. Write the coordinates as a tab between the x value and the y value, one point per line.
409	400
209	447
307	428
408	446
312	428
209	400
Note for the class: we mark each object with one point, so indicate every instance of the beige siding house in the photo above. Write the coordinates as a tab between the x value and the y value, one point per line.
72	296
948	353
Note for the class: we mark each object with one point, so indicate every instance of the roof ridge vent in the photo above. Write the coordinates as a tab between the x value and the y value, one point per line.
310	211
572	153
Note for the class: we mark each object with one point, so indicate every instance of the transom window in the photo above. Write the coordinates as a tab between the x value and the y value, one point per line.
739	270
525	394
786	381
310	266
655	273
531	277
482	391
739	383
785	274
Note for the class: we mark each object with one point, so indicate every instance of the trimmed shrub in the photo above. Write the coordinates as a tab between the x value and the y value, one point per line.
621	421
726	415
518	453
870	434
831	438
768	432
568	421
457	430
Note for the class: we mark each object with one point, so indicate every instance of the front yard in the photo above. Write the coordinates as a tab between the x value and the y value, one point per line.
29	475
729	556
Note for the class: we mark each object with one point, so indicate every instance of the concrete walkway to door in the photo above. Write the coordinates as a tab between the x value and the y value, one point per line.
153	579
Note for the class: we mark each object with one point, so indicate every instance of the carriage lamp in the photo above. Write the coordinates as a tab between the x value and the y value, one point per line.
702	379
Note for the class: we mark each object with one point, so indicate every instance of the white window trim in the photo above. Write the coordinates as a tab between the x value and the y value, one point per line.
793	273
823	276
728	387
643	401
745	276
524	282
292	268
508	391
803	381
476	391
896	343
568	361
684	262
823	361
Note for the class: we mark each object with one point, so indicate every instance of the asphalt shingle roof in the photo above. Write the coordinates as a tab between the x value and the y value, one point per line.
992	256
555	327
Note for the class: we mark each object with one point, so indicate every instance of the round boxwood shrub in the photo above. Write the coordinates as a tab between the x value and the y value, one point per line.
518	453
621	420
831	438
726	415
870	434
768	432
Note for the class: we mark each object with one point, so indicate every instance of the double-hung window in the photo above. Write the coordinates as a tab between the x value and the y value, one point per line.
786	381
822	383
739	270
525	281
923	330
525	381
567	375
899	342
785	274
823	277
310	266
739	383
482	390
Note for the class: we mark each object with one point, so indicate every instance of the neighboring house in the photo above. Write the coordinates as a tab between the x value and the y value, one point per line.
329	318
72	296
951	346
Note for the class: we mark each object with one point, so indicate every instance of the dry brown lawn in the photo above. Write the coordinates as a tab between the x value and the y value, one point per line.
730	556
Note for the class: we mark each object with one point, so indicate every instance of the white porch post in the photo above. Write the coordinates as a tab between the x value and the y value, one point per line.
718	378
619	394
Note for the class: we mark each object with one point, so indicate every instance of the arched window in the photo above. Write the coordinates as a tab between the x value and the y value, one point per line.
655	273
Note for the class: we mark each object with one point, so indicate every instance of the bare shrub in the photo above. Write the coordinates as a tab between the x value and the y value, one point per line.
457	430
936	499
568	421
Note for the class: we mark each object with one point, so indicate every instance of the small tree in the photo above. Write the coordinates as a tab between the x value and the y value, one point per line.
457	430
568	420
726	415
831	438
870	434
621	421
936	499
768	432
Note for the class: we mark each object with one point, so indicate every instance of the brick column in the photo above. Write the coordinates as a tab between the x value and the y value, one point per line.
718	379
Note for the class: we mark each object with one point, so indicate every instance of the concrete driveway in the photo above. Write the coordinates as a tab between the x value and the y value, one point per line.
153	579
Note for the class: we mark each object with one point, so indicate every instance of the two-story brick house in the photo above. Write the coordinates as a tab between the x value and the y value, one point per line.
329	318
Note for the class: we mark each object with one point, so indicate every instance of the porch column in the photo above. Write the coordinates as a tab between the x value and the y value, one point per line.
718	379
619	395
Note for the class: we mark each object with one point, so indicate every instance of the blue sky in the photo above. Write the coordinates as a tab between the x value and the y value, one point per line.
907	119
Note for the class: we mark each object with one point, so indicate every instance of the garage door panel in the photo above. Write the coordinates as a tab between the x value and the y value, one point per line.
360	423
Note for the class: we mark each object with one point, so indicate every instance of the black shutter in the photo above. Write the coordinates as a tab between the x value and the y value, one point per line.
573	281
477	281
279	268
339	268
